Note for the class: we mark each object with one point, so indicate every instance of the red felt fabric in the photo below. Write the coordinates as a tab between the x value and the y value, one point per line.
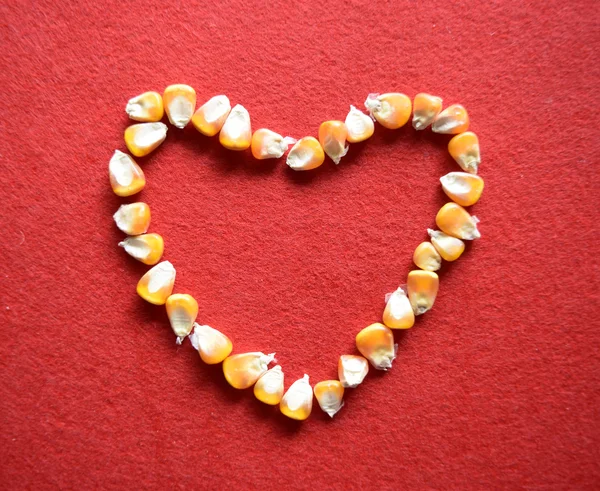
496	388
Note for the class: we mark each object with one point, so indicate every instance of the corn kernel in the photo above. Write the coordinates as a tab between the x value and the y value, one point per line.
143	138
330	394
212	345
211	116
376	344
352	370
398	313
332	137
450	248
462	188
464	148
306	154
425	109
360	127
126	177
297	401
391	110
451	121
182	310
146	107
147	248
157	284
180	103
243	370
426	257
422	288
236	133
133	218
267	144
454	220
269	387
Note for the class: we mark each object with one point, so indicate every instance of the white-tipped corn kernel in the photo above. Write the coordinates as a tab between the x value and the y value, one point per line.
143	138
462	188
269	387
157	284
126	177
180	102
330	395
427	257
212	345
391	110
146	248
398	313
267	144
133	218
451	121
454	220
450	248
332	137
243	370
210	117
146	107
352	370
376	344
236	133
182	310
296	403
360	127
306	154
425	109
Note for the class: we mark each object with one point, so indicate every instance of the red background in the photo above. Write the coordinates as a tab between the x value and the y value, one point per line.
496	387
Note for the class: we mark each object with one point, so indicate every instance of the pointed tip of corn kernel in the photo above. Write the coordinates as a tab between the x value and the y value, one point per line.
329	395
398	312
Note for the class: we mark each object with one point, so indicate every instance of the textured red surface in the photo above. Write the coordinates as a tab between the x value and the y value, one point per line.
497	387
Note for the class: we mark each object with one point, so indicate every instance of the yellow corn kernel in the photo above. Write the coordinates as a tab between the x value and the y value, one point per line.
391	110
269	387
352	370
464	148
236	133
133	218
450	248
296	403
126	177
376	344
360	127
422	288
212	345
398	313
243	370
454	220
462	188
146	107
426	257
182	310
147	248
332	137
451	121
157	284
330	395
143	138
425	109
180	103
267	144
306	154
211	116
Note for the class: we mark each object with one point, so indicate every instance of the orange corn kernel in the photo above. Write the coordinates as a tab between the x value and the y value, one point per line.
269	387
376	344
332	137
182	310
398	313
143	138
425	109
360	127
450	248
297	401
180	103
212	345
391	110
330	395
454	220
462	188
426	257
306	154
267	144
352	370
146	107
451	121
147	248
157	284
236	133
126	177
211	116
464	148
133	218
243	370
422	288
